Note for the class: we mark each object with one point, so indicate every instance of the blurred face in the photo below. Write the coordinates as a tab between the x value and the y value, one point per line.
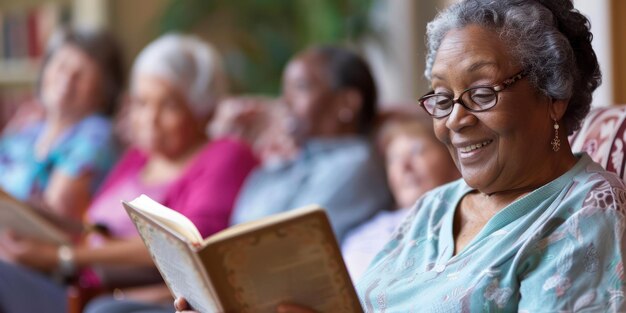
309	96
498	149
415	165
161	119
71	83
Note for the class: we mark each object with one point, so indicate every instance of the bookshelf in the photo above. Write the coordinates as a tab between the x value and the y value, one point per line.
24	31
25	27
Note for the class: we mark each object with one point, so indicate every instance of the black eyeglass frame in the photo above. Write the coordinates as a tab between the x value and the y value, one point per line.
495	88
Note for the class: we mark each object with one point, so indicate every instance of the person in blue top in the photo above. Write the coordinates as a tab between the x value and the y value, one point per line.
331	96
531	226
56	163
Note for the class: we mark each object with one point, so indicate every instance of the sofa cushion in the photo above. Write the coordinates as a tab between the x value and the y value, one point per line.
602	136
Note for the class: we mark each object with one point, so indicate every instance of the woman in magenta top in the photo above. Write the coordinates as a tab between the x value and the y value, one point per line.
174	85
204	192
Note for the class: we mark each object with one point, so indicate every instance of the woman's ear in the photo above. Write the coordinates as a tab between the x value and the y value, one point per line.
351	100
557	108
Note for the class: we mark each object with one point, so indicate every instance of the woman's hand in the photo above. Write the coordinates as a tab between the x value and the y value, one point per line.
28	252
182	306
243	117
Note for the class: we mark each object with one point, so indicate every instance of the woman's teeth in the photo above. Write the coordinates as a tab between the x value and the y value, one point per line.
474	147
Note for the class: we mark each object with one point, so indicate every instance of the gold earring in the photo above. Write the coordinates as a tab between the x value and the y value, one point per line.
556	142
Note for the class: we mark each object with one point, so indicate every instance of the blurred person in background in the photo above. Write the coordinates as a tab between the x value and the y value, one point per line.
331	98
176	82
56	163
416	162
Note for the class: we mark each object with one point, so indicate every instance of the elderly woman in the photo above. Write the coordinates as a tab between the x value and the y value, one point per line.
175	82
416	162
58	162
531	227
331	95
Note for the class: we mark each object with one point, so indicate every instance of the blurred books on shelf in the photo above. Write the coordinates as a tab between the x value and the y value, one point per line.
23	36
24	33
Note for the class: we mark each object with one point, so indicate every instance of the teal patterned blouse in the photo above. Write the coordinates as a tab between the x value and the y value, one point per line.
88	146
558	249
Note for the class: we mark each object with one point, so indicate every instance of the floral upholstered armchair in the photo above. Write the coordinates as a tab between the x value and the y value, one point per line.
603	137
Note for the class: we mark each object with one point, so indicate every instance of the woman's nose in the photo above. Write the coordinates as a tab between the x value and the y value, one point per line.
149	114
459	118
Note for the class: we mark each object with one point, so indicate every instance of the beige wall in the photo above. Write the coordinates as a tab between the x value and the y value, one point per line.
398	61
599	14
618	9
134	22
90	13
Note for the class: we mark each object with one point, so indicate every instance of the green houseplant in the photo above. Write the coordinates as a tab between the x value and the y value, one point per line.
257	37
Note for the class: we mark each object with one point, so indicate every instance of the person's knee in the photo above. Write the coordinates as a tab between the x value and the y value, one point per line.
7	271
26	285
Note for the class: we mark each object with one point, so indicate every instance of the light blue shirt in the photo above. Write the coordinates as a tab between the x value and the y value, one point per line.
558	249
342	175
86	147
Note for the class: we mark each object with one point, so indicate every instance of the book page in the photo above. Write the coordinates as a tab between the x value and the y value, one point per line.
297	261
178	264
26	221
171	218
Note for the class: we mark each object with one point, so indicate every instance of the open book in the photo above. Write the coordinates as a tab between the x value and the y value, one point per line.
252	267
30	222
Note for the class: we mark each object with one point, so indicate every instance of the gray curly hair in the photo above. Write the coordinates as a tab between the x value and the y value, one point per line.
549	38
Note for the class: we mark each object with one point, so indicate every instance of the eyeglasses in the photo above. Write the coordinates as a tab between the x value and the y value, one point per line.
477	99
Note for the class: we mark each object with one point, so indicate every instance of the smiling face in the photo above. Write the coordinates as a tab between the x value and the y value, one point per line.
503	148
416	164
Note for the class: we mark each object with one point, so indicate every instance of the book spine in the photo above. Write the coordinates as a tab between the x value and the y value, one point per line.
2	44
21	35
34	50
6	30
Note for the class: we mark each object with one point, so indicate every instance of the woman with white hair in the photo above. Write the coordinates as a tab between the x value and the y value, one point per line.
175	84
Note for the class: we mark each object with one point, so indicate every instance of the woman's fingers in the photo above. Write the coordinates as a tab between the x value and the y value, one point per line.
180	304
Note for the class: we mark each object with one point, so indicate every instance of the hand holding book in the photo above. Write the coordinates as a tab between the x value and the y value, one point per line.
254	267
28	221
182	306
27	251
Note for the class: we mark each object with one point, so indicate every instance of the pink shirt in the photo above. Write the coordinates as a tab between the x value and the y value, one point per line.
205	192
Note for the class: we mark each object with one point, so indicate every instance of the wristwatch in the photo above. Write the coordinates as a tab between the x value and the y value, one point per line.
66	266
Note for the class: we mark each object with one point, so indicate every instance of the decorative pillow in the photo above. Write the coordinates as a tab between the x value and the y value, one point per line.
603	136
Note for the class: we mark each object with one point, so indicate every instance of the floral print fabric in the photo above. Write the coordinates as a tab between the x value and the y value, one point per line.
558	249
